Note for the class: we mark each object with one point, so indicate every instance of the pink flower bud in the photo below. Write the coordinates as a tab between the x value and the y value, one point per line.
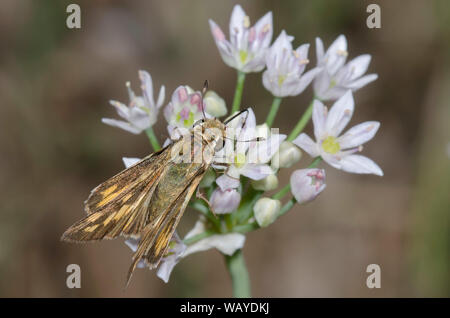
306	184
225	201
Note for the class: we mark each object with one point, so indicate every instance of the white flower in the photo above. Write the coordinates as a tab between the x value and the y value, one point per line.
225	201
184	109
248	45
142	111
226	243
306	184
338	151
287	155
337	77
284	75
215	105
249	159
266	211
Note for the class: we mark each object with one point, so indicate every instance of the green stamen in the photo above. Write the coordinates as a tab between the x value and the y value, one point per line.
239	160
330	145
243	55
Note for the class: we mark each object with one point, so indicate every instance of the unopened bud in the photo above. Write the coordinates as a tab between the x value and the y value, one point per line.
215	105
266	211
225	201
287	155
267	184
306	184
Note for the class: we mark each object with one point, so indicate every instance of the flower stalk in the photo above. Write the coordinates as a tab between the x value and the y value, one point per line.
153	140
238	93
273	111
239	275
302	122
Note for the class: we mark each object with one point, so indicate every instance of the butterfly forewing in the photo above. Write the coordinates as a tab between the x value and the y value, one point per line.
120	204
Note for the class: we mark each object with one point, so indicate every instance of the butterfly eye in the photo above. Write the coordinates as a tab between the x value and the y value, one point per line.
200	121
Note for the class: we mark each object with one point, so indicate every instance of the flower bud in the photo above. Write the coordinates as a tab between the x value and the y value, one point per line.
215	105
287	155
225	201
266	210
208	178
306	184
267	184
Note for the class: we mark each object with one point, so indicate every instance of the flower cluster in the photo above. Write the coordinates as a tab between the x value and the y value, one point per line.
235	191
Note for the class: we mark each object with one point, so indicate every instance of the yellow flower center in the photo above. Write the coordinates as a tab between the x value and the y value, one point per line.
330	145
332	83
239	160
281	79
243	55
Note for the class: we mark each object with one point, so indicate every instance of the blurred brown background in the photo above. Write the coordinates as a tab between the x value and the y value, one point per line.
55	84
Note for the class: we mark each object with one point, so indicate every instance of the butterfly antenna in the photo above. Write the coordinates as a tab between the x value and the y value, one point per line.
205	88
235	116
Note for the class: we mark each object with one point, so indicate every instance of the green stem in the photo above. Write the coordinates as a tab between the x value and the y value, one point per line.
245	228
239	274
238	92
302	122
200	207
273	111
287	207
153	140
280	194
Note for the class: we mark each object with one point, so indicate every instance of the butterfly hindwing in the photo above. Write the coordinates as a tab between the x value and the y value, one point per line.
156	236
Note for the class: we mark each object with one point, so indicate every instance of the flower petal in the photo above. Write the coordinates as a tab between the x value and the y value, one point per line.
359	134
360	164
226	182
319	50
172	258
128	162
122	124
340	114
237	25
161	96
264	30
359	65
256	171
147	86
336	54
363	81
305	80
307	144
319	118
226	243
